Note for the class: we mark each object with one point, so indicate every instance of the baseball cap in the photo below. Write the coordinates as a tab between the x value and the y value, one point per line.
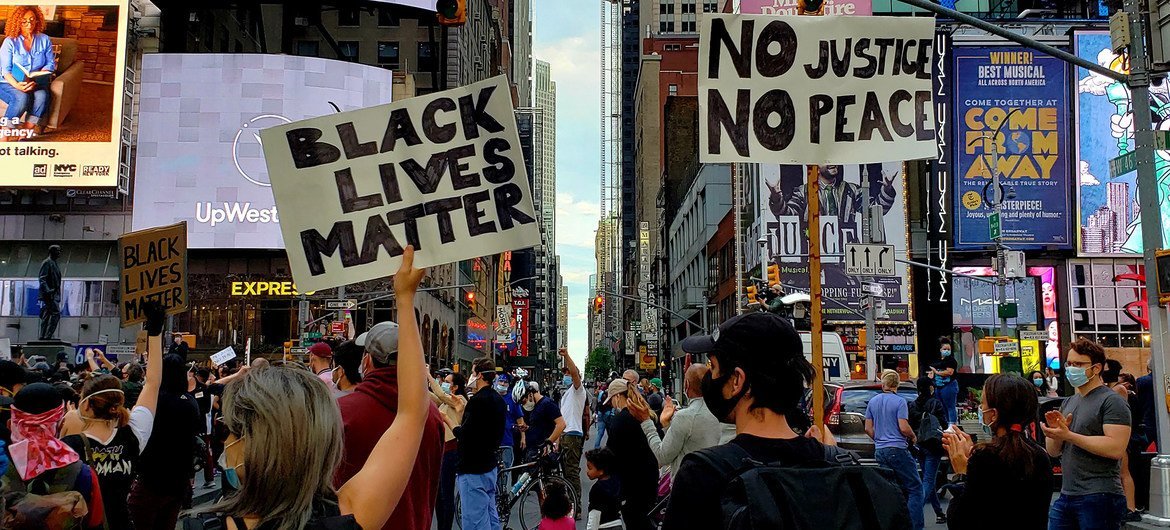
617	386
760	339
322	350
656	382
381	341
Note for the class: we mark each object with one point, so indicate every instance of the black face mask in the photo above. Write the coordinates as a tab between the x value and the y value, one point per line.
720	406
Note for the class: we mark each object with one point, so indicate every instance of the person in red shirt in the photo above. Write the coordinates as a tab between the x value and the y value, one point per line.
369	411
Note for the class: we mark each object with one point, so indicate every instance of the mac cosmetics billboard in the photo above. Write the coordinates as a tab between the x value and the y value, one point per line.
199	154
61	96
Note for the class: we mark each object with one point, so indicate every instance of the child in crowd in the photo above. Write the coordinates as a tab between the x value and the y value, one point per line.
556	512
605	496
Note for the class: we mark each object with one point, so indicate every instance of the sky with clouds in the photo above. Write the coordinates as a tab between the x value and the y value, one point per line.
568	37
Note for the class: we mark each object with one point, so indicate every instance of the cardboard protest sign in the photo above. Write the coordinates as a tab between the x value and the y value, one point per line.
815	90
154	267
223	356
442	172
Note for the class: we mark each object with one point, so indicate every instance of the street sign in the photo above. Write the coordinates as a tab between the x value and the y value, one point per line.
1004	347
869	260
880	310
1162	140
1123	164
873	288
1040	335
337	328
340	305
1009	310
311	335
994	226
298	351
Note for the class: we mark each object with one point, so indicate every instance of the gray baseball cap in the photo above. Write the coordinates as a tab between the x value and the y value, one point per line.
381	342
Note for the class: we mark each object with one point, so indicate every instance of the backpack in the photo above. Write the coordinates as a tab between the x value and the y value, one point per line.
929	431
770	495
326	516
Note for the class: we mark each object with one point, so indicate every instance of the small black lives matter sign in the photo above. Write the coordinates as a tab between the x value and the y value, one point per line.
154	267
442	172
815	90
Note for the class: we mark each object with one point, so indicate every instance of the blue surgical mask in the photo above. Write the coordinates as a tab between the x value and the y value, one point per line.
446	388
567	380
501	388
1077	376
1039	382
986	427
945	353
229	473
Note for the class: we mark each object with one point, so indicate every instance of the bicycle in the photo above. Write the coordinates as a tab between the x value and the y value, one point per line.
529	491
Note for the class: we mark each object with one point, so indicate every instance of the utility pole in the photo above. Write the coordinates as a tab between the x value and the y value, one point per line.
997	235
870	342
813	202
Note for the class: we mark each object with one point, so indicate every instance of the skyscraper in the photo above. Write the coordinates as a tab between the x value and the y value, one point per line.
546	100
1118	203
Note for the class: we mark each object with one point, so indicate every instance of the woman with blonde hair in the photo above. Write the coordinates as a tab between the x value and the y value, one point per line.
284	442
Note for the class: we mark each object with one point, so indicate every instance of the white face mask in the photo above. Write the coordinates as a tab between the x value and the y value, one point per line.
471	381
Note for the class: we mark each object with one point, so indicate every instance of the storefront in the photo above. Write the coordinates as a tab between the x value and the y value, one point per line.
1108	304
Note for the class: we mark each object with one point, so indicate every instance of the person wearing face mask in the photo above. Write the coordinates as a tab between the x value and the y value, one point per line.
1039	383
573	403
1089	433
544	421
347	374
757	377
636	466
479	436
449	395
369	411
1010	471
513	418
943	372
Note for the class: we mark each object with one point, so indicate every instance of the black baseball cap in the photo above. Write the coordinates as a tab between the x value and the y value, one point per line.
758	338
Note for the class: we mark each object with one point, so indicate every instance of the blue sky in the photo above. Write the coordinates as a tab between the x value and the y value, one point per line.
567	36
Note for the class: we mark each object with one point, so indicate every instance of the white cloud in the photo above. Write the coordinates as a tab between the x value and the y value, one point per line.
576	221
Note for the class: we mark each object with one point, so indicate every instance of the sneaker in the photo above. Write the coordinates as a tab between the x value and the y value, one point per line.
940	519
1133	517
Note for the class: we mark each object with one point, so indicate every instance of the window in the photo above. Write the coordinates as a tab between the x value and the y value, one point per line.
673	90
349	50
426	56
308	48
688	26
1106	296
387	18
388	55
710	7
349	17
688	8
79	298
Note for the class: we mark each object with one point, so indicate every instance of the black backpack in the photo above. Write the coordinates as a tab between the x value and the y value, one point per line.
826	494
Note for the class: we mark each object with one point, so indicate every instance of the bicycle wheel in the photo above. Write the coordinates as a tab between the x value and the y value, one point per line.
458	523
529	504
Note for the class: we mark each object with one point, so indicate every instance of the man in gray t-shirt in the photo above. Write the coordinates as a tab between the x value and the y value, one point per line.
1089	434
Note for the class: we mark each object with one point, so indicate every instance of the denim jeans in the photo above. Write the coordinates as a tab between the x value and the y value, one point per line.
1097	511
445	507
930	465
34	103
602	419
477	498
902	463
949	395
507	456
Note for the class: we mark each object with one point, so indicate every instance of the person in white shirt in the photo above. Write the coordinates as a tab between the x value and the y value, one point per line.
687	430
573	440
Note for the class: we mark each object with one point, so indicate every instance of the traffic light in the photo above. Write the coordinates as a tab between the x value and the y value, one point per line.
751	295
451	12
471	298
598	304
773	275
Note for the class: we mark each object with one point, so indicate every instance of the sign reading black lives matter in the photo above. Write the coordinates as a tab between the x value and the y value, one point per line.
442	172
815	90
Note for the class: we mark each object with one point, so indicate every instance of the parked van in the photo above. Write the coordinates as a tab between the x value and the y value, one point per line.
836	363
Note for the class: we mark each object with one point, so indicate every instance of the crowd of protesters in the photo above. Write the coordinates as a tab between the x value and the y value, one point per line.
365	435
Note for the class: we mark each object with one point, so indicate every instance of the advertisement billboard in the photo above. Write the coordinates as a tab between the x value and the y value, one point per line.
61	102
1107	207
200	158
975	312
1011	114
786	228
520	306
788	7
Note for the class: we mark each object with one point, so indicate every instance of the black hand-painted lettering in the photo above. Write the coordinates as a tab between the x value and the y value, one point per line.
427	181
902	129
841	62
873	119
389	182
442	209
819	105
839	132
507	197
347	193
307	151
769	65
719	118
924	57
434	132
401	127
460	179
819	70
883	47
473	213
777	102
475	115
353	147
500	168
340	239
922	130
408	218
378	236
741	57
862	51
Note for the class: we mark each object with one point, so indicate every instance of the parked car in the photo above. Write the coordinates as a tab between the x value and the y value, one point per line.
845	405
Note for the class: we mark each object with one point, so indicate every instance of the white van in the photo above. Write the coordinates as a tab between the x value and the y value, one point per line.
835	362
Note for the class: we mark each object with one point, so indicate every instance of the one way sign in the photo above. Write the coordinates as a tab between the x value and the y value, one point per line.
869	260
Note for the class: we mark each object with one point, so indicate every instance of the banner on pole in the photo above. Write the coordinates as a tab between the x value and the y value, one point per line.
815	90
154	268
442	172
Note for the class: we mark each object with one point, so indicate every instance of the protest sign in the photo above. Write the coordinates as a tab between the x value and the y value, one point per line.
441	172
223	356
815	90
154	267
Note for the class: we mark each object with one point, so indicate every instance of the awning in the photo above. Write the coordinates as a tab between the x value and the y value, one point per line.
79	259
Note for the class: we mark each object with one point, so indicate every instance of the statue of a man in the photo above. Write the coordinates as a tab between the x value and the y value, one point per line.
50	293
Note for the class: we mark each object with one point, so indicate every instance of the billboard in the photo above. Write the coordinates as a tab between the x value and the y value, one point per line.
520	306
1011	114
61	114
199	154
788	7
1107	207
975	312
786	229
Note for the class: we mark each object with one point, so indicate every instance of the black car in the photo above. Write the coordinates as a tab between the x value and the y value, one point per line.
845	412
